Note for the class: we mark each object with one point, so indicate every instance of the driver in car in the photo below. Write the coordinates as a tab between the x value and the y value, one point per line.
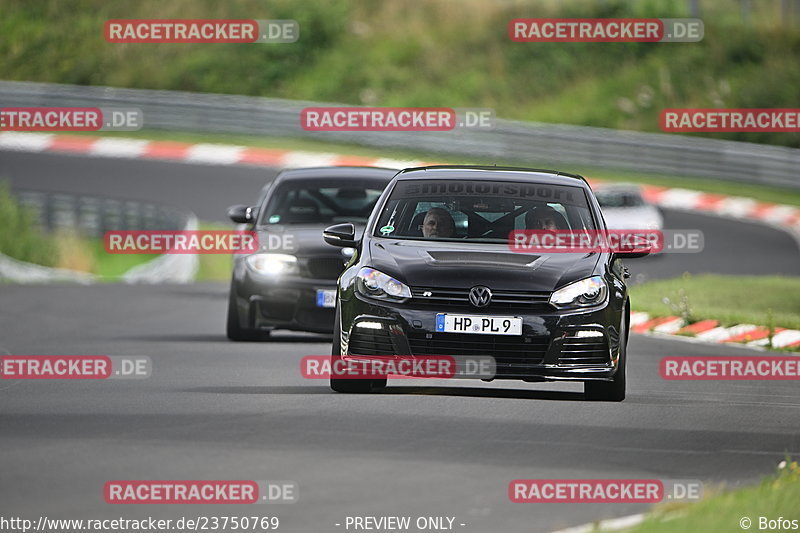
545	218
438	223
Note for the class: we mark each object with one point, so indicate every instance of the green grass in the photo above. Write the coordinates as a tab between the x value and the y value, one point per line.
111	266
776	496
758	192
729	299
211	267
214	267
20	236
454	53
23	239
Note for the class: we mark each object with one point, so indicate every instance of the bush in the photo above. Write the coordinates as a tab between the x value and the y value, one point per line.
453	53
21	237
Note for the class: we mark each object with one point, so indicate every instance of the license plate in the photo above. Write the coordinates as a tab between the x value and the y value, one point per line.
487	325
326	297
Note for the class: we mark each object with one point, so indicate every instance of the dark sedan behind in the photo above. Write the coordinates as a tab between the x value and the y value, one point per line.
290	283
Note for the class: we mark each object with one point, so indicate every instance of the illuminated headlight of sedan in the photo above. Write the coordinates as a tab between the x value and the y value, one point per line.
272	264
587	292
376	284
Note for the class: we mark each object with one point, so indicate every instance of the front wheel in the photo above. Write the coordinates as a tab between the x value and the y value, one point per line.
612	391
353	386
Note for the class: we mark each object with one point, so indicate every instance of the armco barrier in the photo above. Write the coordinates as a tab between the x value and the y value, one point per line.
92	216
540	144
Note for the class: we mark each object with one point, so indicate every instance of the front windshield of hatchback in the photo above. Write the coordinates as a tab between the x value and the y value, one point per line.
323	201
480	211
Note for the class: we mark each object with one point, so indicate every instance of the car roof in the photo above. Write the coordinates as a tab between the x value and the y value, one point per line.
311	173
492	173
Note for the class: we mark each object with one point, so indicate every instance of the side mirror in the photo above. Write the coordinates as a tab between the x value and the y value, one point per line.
343	235
242	214
641	251
637	254
634	250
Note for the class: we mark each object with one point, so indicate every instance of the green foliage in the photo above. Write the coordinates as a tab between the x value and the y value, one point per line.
20	236
453	53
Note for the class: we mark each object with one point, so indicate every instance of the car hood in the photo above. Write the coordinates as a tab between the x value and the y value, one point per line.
302	241
463	265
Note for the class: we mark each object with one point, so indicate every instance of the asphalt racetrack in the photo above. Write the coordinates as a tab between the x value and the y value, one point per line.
220	410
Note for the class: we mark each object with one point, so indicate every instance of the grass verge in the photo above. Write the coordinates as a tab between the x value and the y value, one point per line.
23	238
729	299
111	266
214	267
776	496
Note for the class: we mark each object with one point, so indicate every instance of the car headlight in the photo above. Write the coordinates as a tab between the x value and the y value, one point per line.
584	293
272	264
376	284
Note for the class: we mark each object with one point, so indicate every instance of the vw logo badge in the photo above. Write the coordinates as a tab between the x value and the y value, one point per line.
480	296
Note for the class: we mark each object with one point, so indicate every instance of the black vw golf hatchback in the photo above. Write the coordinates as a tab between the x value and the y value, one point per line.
434	274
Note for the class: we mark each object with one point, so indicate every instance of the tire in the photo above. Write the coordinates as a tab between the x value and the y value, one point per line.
612	391
350	386
234	330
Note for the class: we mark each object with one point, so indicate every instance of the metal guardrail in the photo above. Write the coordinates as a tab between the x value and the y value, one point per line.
543	145
92	216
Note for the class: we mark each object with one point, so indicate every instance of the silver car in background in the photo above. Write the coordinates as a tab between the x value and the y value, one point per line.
624	207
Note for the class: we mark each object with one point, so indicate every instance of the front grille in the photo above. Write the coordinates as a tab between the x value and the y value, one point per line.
370	342
315	317
507	350
277	310
436	297
578	351
325	267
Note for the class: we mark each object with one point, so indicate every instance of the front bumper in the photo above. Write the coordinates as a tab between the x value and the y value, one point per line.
554	345
283	302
